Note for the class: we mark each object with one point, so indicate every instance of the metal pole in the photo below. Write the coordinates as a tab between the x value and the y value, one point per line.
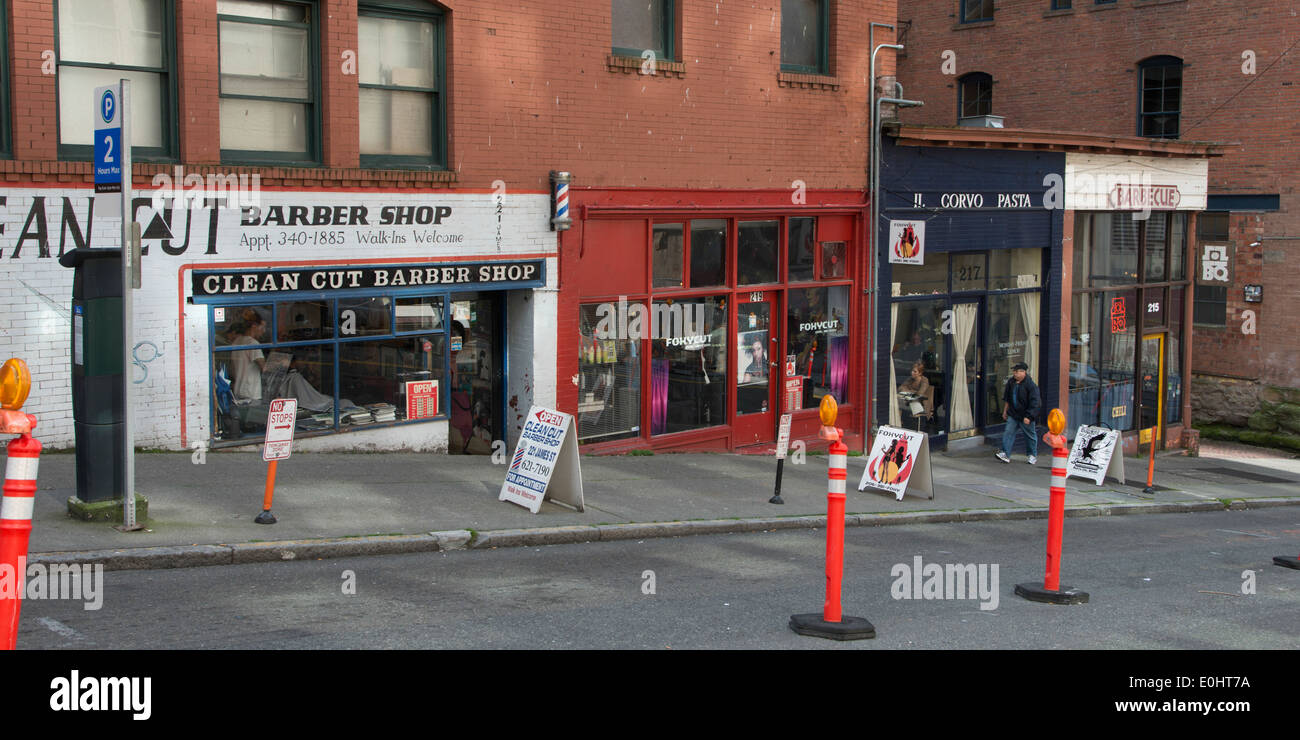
873	285
128	309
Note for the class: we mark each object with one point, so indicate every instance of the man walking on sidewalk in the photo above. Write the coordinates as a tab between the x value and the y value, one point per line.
1021	404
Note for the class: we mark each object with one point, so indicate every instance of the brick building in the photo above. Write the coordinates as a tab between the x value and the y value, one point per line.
1154	68
357	195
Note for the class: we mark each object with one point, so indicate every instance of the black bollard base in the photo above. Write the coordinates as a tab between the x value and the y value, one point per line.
1287	562
776	499
265	518
1064	595
848	628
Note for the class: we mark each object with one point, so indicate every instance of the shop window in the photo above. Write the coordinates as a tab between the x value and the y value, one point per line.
1210	305
1102	359
268	63
609	371
1012	269
930	278
400	73
833	260
291	349
757	252
1154	241
976	93
1174	358
688	365
708	251
805	28
1013	336
1178	246
969	271
100	42
420	314
1212	226
361	317
802	246
817	335
643	25
666	248
918	344
1105	250
303	321
1160	96
976	10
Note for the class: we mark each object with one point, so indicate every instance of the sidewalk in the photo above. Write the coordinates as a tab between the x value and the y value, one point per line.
332	505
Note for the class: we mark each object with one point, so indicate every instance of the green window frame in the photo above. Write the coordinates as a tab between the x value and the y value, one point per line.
417	12
667	25
976	11
974	95
167	92
790	39
310	154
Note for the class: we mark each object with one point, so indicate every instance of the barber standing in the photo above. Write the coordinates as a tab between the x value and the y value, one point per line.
1021	404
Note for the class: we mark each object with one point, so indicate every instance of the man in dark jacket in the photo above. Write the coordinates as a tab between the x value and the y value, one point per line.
1021	405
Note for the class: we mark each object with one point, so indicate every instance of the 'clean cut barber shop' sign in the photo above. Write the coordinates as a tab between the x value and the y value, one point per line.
525	273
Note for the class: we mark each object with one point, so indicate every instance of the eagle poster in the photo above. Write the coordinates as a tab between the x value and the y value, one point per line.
1093	455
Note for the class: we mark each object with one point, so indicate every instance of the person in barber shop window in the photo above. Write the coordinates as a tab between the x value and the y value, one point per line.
1021	405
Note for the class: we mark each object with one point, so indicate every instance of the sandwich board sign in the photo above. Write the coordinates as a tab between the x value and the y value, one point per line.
545	463
1093	455
898	457
280	421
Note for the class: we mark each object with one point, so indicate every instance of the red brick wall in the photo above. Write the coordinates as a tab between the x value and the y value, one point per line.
530	89
1077	71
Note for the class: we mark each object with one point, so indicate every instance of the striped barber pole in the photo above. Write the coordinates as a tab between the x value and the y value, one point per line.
836	474
561	200
16	526
1056	519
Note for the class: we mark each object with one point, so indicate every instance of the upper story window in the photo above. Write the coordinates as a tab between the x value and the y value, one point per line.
976	10
400	65
641	26
805	30
101	42
975	95
1062	4
1160	95
268	80
6	142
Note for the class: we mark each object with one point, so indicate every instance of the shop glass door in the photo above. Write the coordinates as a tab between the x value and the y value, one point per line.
477	373
758	370
1153	383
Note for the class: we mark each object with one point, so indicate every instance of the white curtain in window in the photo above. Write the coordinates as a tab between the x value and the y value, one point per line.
1029	313
895	418
960	414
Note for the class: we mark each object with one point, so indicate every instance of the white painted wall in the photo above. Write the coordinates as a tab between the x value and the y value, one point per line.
36	294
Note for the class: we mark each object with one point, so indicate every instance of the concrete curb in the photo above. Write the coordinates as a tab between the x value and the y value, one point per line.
190	556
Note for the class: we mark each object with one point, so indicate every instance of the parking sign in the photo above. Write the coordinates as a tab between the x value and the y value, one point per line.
280	420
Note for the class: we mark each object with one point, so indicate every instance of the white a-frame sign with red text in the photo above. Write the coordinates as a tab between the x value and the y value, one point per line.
545	464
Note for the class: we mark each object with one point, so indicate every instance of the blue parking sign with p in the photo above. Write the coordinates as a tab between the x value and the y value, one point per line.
108	140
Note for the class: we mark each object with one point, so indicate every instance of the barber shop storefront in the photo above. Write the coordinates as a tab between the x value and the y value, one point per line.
695	327
419	320
969	276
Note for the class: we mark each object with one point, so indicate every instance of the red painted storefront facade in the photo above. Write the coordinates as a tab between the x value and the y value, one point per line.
792	277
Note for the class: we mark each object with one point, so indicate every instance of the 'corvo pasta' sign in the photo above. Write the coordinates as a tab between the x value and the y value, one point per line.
227	283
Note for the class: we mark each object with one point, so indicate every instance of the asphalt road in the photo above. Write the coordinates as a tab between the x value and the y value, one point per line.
1156	581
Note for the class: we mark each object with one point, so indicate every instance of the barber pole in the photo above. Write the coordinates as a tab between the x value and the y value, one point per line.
16	525
1051	591
560	201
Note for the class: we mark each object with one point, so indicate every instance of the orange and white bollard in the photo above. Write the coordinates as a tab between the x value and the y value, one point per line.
1051	592
19	495
831	623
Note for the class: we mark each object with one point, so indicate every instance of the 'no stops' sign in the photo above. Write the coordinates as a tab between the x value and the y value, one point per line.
280	421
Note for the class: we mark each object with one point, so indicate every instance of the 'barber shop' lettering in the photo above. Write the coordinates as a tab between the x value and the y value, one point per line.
526	273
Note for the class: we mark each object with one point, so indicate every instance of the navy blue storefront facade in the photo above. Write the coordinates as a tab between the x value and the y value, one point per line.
985	295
